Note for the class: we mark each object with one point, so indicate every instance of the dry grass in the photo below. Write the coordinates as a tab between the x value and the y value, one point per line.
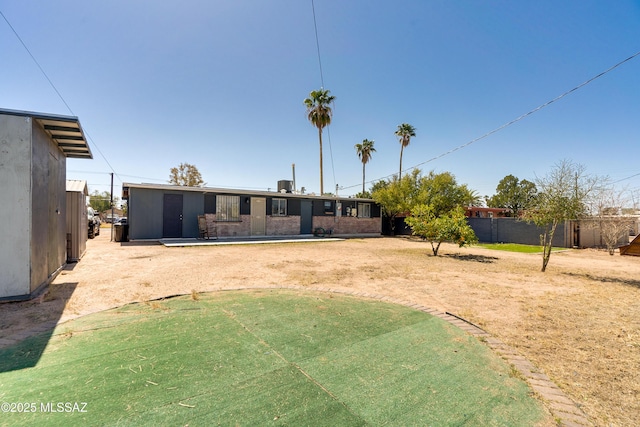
579	322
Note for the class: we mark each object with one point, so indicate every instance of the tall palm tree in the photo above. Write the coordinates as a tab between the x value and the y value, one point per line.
404	133
364	150
319	114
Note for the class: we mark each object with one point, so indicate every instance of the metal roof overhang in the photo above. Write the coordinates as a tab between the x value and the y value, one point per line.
65	131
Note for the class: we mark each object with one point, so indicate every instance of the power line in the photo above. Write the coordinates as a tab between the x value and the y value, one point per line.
624	179
517	119
37	63
315	27
55	89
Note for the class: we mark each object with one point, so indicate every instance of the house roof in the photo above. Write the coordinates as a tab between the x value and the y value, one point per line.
65	131
77	186
232	191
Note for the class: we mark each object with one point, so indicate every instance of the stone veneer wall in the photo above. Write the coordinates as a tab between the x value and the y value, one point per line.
283	225
348	224
290	225
230	229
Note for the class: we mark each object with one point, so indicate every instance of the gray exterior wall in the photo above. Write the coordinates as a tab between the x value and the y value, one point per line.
144	213
15	210
582	234
33	212
77	225
48	200
511	230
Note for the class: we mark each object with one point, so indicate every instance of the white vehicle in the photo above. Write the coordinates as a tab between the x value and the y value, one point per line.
93	222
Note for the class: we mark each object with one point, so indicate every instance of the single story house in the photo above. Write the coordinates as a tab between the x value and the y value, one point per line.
112	215
157	211
482	212
33	232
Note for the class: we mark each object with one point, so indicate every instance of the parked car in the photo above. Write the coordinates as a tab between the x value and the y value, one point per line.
111	219
93	222
122	220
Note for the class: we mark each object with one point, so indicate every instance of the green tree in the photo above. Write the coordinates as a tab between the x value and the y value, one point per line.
186	175
442	192
364	150
396	196
101	201
439	191
404	133
319	114
513	194
451	226
563	195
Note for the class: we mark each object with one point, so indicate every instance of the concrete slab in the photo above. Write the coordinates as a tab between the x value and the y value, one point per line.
252	240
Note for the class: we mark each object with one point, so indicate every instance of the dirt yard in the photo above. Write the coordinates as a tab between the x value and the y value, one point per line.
579	322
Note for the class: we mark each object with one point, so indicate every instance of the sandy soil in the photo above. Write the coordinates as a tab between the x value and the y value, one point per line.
579	322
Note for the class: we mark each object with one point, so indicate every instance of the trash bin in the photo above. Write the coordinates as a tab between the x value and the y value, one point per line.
120	232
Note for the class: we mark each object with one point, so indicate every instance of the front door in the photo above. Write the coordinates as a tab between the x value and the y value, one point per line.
258	216
172	216
305	217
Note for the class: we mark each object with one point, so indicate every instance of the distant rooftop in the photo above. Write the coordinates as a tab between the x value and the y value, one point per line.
76	185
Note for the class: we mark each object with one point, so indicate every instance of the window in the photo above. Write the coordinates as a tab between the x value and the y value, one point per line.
364	210
279	207
227	208
328	207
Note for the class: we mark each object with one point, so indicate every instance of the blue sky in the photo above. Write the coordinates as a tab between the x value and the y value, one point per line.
220	84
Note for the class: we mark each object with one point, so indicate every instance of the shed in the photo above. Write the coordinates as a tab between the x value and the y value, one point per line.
157	211
33	152
77	225
633	248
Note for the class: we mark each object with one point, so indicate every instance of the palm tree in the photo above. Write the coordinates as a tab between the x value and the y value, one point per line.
319	114
364	151
404	133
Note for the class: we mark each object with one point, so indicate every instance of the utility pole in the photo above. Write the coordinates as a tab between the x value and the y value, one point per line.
111	203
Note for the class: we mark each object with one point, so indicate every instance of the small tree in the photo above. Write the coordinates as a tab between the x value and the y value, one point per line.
186	175
439	191
564	195
613	224
396	196
449	227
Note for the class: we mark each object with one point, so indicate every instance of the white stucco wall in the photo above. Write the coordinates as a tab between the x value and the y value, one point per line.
15	205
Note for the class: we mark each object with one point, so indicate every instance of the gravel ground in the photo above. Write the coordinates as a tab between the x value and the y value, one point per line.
579	322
